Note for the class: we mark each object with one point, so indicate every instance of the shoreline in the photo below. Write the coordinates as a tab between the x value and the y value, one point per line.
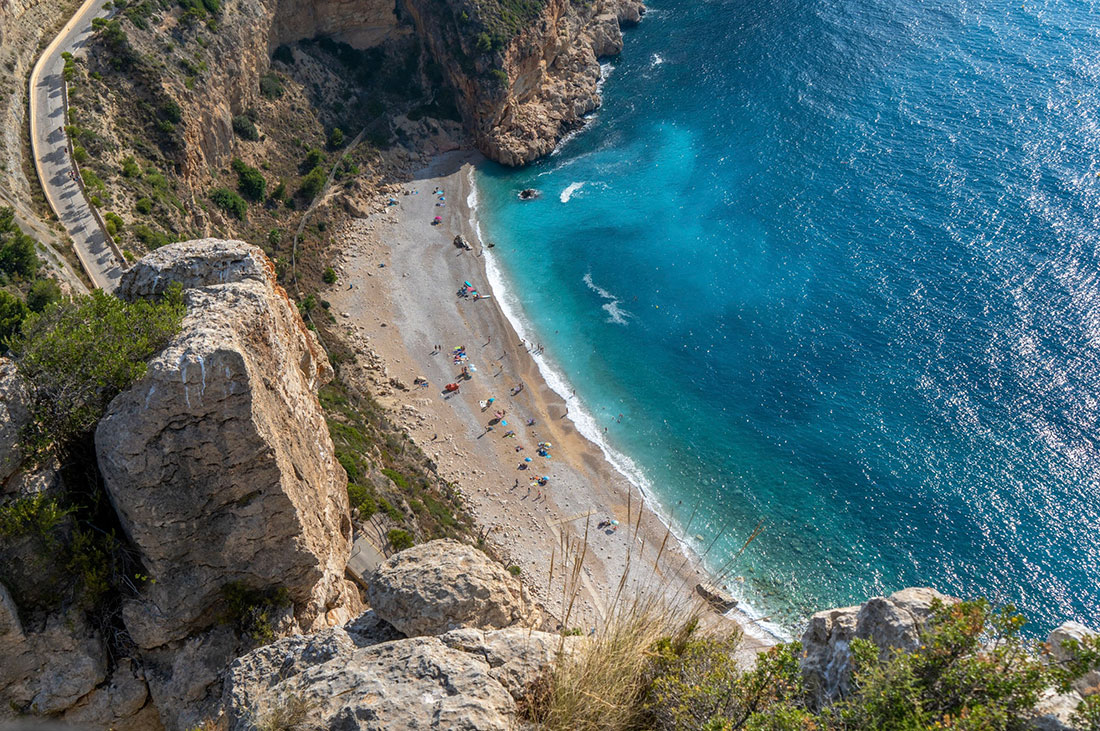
398	251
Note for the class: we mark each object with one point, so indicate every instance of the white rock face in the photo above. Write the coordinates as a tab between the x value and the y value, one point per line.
218	461
345	678
442	585
892	622
1055	710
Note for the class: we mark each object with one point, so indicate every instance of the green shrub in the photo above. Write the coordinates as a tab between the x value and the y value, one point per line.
972	670
151	237
170	111
499	75
17	250
329	277
38	514
360	497
515	570
274	237
80	155
279	193
155	179
391	512
312	183
251	610
130	168
245	128
283	54
306	305
42	293
271	86
92	181
113	222
400	539
13	311
250	181
398	479
313	158
144	206
229	202
336	139
76	356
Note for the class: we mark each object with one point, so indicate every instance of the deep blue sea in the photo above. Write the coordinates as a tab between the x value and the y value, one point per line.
837	265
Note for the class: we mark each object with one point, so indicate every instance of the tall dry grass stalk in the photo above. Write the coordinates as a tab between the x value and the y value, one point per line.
600	682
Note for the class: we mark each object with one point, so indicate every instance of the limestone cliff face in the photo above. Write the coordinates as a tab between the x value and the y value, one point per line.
550	70
550	65
218	461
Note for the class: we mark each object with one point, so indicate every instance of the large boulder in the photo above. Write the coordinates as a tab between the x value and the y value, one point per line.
892	623
218	461
442	585
49	670
1069	633
359	678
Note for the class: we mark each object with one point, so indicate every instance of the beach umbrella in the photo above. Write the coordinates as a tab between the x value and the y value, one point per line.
503	422
526	459
614	522
438	219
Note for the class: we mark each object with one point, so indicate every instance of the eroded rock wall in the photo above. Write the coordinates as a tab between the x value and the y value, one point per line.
550	71
218	461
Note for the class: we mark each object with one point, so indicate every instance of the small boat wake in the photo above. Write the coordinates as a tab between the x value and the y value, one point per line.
616	314
569	191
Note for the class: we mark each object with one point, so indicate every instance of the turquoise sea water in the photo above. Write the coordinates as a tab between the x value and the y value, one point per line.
837	266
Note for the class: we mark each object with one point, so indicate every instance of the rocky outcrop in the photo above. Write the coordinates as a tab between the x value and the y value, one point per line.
359	23
892	623
442	585
1054	711
519	101
357	677
218	460
61	667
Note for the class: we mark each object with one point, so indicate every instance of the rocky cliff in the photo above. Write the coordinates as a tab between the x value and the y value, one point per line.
220	468
520	94
218	461
524	78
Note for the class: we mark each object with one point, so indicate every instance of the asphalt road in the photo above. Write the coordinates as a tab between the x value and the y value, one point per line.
51	154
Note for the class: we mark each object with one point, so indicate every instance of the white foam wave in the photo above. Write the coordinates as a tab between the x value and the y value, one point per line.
569	191
656	60
587	425
616	314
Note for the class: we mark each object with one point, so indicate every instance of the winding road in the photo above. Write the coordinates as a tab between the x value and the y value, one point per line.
51	154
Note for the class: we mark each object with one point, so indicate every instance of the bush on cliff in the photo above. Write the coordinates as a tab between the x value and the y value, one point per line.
973	670
229	202
76	356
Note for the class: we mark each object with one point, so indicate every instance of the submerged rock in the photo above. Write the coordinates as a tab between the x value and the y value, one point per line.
442	585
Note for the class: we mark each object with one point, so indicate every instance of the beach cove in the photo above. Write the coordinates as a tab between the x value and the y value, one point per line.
405	273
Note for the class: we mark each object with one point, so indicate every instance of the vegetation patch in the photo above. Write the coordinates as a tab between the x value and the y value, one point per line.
76	356
252	611
972	670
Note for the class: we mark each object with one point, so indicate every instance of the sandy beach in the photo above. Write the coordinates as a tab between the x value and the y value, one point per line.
404	274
